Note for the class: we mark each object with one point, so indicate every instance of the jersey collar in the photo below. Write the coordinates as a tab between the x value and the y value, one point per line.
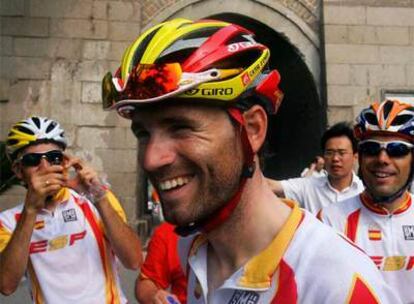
379	209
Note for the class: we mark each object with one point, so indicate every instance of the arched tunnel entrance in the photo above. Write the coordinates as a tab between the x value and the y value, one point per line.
294	133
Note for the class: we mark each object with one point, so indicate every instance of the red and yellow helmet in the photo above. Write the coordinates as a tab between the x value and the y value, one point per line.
204	60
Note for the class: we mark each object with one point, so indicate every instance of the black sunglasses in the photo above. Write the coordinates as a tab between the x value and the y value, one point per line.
54	157
393	148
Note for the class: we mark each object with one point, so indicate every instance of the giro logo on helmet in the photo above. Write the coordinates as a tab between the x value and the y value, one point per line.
234	47
210	92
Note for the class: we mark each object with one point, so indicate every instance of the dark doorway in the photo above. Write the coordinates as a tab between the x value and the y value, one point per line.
294	133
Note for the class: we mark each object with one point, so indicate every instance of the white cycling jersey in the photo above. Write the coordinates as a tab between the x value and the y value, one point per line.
70	259
299	266
387	238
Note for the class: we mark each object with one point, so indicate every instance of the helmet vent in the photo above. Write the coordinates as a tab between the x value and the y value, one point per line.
24	130
36	121
50	127
12	142
401	119
387	108
142	47
371	118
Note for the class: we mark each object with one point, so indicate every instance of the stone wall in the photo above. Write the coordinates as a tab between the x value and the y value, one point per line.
54	54
369	48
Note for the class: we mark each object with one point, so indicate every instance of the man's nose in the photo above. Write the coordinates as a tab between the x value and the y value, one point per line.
383	156
158	152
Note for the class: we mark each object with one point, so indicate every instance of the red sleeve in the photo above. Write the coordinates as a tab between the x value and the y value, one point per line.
156	266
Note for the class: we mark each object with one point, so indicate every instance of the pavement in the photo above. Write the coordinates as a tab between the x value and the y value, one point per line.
21	296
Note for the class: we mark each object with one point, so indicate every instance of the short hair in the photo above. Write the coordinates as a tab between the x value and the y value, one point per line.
337	130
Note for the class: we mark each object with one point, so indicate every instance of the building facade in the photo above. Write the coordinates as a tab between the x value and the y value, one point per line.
335	57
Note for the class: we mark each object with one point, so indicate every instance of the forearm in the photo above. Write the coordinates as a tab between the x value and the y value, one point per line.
124	241
145	290
14	258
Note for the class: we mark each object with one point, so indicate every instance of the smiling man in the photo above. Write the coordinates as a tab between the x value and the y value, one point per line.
67	234
381	219
199	95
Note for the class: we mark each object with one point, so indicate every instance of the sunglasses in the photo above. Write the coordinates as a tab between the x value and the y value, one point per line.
54	157
393	148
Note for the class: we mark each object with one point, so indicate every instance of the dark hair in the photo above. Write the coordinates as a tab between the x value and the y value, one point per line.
337	130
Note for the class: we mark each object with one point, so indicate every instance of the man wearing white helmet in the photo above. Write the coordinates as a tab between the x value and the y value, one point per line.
199	95
381	219
65	235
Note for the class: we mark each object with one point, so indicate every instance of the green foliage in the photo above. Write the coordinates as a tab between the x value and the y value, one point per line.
7	177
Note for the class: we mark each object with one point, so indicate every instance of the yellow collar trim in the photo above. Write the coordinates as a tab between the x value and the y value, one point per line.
258	272
62	196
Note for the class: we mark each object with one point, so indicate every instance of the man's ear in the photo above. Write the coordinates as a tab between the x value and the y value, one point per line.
256	126
17	169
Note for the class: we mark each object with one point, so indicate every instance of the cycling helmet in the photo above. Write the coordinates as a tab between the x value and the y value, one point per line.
33	130
206	60
390	117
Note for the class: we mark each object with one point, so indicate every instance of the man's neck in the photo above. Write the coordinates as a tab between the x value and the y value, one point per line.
340	183
236	241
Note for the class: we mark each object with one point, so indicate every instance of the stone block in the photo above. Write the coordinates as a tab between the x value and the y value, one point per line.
12	7
393	16
12	197
79	9
92	70
92	115
336	34
117	49
346	15
359	74
4	90
124	11
91	138
91	92
25	68
96	50
117	160
6	46
100	10
353	54
338	113
345	95
338	74
123	184
123	31
64	70
48	47
410	74
361	34
393	35
19	26
65	101
75	28
396	54
387	75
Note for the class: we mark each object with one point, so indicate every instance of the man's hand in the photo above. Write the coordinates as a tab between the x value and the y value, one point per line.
45	182
164	297
85	177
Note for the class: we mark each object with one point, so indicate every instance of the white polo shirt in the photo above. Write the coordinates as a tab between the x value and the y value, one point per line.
387	238
299	266
70	258
314	193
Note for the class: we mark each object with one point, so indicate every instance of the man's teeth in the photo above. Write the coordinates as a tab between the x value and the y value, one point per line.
380	174
173	183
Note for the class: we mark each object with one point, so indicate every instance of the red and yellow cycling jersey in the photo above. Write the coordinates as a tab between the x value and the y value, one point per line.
70	258
388	238
307	262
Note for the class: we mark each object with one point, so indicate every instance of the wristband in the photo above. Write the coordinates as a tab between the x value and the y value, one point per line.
97	191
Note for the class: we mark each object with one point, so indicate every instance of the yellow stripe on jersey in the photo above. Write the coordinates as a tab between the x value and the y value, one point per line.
259	270
5	236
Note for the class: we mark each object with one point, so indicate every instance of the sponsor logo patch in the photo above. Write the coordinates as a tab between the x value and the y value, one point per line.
244	297
69	215
408	232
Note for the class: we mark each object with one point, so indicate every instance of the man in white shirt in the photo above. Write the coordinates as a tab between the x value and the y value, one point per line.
340	154
381	219
199	147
